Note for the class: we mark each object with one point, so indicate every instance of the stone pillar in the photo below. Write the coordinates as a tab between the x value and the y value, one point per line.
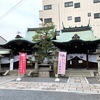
36	61
55	63
36	65
87	62
66	64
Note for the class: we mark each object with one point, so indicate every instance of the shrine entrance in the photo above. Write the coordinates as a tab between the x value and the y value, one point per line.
76	63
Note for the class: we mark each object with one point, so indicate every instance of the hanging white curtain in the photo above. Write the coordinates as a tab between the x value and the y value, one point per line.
6	60
91	58
16	58
81	56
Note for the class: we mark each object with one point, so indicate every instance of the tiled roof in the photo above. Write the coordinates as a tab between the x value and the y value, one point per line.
29	35
86	35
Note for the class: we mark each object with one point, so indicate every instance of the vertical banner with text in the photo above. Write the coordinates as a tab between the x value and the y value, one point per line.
22	63
61	62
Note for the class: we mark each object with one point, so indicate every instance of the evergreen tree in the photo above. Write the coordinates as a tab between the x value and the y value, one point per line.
44	38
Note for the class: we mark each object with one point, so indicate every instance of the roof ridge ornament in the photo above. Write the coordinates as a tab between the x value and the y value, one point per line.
75	37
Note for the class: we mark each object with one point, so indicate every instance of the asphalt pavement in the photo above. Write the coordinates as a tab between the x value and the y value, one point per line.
44	95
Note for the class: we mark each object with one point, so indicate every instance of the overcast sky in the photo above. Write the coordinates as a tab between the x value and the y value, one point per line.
23	16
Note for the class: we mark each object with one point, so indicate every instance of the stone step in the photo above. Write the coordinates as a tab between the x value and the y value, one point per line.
71	75
85	73
44	74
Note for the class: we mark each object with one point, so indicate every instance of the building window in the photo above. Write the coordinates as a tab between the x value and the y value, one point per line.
69	18
48	20
77	19
47	7
77	5
89	14
68	4
80	61
96	1
96	15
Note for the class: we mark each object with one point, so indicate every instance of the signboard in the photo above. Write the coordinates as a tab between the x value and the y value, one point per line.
11	64
22	63
61	62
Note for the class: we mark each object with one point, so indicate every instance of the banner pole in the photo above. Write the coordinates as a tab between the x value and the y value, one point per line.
57	78
18	78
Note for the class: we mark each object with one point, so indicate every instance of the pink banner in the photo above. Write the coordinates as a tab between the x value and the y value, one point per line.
61	62
22	63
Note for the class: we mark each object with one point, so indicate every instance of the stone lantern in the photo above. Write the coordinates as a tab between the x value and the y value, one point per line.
55	61
36	62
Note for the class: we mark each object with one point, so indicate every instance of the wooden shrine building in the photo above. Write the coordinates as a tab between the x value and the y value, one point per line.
80	45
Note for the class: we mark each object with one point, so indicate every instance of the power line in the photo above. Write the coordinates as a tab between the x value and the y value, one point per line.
13	8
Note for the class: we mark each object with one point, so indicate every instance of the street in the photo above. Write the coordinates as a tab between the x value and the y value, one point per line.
73	88
44	95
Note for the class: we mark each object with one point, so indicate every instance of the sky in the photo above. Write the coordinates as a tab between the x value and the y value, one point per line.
24	15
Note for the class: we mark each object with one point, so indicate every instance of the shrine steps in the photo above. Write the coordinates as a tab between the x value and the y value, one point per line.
80	73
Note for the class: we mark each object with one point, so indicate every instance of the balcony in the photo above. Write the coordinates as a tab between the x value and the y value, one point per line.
41	14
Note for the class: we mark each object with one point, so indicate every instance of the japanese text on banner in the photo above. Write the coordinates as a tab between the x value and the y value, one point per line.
61	62
22	63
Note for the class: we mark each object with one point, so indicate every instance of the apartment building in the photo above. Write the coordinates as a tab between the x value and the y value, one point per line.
71	13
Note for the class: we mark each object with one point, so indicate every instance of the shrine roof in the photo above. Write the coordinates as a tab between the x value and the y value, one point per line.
29	35
78	34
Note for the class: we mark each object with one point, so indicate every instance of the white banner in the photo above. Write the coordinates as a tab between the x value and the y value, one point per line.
11	64
61	62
